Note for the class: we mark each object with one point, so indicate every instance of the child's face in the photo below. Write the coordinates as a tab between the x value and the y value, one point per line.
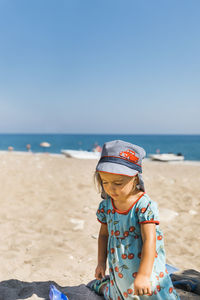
118	187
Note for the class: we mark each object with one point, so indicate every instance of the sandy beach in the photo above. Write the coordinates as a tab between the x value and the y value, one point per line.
48	222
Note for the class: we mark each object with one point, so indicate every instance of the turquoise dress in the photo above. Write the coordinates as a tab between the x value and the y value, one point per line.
124	250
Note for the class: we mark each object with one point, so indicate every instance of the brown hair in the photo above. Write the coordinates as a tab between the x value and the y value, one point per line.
99	185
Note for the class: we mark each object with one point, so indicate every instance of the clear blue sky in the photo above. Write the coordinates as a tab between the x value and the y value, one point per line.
100	66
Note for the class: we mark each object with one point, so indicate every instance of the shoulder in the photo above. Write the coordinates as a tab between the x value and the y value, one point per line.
145	201
102	205
105	206
147	210
102	211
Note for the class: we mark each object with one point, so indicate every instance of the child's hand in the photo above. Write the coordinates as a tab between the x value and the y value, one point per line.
100	271
142	285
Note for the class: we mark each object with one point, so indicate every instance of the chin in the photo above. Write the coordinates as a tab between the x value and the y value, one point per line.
114	196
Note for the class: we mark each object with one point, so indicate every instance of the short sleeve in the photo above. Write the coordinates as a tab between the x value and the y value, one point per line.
147	211
101	215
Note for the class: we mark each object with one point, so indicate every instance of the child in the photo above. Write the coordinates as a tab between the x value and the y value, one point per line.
129	237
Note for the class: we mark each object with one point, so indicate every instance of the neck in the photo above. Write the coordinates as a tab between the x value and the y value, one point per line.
131	197
126	203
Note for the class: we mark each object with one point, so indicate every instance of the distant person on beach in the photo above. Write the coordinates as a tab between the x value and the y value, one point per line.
130	237
28	147
96	148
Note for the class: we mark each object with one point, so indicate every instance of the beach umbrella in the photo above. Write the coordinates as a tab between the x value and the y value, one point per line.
45	145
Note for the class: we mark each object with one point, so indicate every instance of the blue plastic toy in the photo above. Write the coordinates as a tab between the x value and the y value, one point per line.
171	269
55	294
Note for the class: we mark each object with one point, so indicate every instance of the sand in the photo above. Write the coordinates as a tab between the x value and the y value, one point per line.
48	223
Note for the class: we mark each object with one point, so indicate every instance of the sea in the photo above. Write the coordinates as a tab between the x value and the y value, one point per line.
188	145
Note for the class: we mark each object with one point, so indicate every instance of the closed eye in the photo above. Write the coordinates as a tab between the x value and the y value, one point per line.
116	183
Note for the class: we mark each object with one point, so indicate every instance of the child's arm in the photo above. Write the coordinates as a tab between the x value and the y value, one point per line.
142	282
102	252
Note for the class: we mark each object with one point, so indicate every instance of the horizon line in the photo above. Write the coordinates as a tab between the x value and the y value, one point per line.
67	133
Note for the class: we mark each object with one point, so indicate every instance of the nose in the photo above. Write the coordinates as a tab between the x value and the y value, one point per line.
112	187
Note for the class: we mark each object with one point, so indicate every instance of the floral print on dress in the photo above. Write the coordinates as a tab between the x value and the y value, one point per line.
125	247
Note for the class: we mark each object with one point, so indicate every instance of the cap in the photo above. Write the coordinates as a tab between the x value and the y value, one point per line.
122	158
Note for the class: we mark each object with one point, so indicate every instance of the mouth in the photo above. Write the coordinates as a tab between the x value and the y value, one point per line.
113	196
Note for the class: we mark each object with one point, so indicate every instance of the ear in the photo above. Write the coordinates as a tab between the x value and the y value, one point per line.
136	183
136	180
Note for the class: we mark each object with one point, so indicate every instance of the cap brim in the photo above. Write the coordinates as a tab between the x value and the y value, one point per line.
113	168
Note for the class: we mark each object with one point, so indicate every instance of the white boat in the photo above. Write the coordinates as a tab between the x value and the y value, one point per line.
81	154
167	157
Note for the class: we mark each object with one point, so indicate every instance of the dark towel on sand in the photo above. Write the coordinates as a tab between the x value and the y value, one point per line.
188	280
82	292
14	289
